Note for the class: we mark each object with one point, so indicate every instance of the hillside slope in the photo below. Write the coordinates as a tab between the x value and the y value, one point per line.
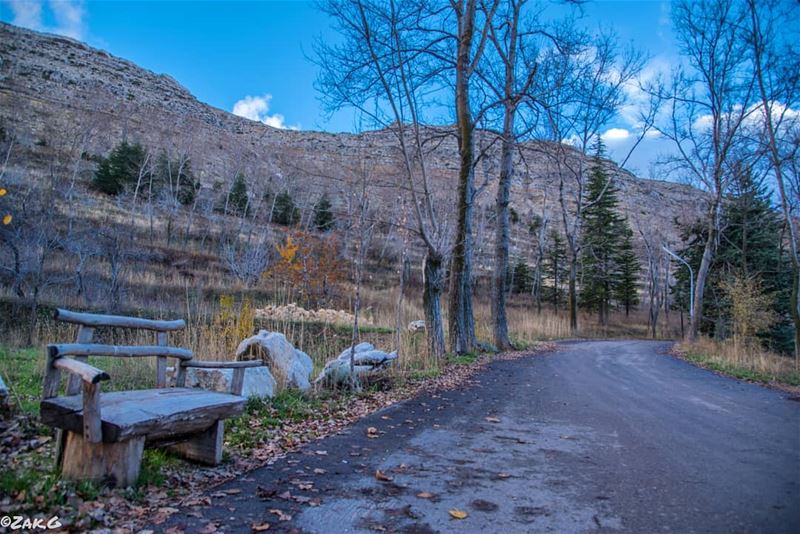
64	102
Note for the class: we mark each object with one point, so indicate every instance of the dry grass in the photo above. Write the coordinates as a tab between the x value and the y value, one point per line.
746	360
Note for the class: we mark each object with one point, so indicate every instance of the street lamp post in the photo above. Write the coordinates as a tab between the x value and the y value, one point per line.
691	280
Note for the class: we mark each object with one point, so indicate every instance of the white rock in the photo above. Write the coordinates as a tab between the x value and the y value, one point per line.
416	326
258	381
281	357
365	359
361	347
305	359
337	372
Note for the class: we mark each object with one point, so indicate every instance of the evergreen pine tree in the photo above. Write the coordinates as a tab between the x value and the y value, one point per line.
601	237
751	247
238	198
105	180
285	213
120	170
626	291
522	278
323	216
555	266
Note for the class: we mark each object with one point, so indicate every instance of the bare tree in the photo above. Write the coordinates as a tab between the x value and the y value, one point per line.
707	104
776	62
588	91
380	70
247	262
470	40
512	47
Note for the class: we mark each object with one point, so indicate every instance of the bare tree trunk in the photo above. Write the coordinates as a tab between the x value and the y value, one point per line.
702	272
433	285
762	37
572	296
462	321
502	237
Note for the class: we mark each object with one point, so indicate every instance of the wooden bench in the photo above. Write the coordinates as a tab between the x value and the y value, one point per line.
101	436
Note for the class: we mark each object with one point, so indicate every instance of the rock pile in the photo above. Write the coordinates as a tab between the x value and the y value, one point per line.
293	312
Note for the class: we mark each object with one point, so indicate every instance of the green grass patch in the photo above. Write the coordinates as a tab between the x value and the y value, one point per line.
362	329
463	359
263	414
154	463
22	371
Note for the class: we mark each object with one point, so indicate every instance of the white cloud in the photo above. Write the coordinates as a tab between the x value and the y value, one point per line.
68	15
256	108
27	13
615	134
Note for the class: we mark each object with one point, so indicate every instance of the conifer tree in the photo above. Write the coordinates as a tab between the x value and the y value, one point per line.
120	170
286	212
522	278
323	216
750	248
601	237
238	197
626	291
556	267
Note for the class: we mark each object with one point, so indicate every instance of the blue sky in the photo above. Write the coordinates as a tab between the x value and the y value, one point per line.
254	53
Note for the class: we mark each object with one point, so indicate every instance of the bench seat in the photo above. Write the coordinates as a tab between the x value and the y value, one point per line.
155	413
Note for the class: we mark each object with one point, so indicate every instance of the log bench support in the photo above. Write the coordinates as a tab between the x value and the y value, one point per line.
101	437
205	447
115	464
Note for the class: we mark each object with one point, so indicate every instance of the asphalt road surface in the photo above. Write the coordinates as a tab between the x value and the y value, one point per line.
596	436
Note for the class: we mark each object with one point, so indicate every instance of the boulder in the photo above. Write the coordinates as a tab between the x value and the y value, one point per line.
291	366
366	359
258	381
416	326
361	347
306	361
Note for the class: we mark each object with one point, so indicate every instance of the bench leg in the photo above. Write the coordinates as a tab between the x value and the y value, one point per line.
205	447
114	463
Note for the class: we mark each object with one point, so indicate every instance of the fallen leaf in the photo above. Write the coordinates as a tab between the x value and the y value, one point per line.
282	516
322	453
318	471
383	477
260	527
457	514
425	495
492	419
265	493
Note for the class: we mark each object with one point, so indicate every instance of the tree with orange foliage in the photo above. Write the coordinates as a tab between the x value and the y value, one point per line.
310	265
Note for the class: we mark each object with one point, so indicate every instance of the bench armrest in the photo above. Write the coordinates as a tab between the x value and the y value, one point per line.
237	381
89	374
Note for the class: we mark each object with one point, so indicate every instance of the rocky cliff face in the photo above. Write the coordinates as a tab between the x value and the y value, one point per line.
64	102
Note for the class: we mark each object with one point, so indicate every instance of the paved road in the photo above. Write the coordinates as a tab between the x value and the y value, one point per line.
597	436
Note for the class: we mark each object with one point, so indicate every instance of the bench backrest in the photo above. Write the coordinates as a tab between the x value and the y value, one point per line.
83	346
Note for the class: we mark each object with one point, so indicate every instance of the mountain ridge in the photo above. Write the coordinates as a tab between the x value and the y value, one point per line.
57	93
